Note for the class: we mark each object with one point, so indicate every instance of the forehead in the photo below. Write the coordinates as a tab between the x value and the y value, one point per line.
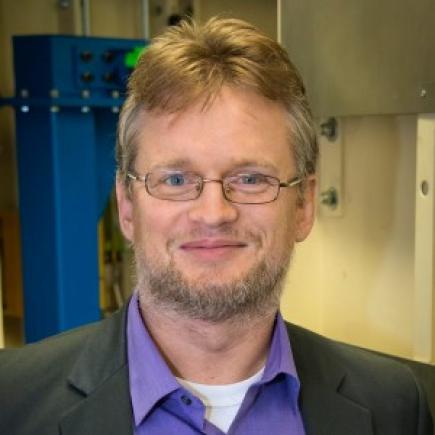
239	127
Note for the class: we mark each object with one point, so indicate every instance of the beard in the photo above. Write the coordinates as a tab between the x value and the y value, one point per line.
253	294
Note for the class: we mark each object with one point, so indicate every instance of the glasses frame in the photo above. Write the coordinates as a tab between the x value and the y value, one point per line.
202	180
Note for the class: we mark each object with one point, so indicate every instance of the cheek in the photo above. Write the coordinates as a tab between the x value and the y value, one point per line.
283	229
276	226
144	226
153	227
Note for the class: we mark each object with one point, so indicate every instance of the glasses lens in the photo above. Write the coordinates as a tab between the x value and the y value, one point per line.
251	188
175	186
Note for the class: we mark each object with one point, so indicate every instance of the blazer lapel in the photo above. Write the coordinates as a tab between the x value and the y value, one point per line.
100	375
106	410
324	409
327	412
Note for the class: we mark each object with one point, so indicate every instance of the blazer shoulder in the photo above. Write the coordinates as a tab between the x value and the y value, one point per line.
351	359
385	386
33	357
41	373
54	355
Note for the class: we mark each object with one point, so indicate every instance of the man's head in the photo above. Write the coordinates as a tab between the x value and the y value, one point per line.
221	101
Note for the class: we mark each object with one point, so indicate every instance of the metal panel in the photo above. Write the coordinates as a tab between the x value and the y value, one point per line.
363	57
58	214
424	265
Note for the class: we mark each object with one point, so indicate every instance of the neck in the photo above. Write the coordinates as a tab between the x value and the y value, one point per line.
207	352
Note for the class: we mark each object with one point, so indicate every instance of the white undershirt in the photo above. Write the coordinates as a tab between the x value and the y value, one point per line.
222	402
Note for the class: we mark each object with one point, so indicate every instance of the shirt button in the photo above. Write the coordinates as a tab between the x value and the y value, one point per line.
186	400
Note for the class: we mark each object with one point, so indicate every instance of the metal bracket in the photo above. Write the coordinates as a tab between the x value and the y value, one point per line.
329	197
330	168
329	128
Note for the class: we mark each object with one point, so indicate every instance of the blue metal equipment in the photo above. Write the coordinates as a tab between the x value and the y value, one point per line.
68	94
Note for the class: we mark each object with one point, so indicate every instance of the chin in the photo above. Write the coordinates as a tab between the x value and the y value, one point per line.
215	273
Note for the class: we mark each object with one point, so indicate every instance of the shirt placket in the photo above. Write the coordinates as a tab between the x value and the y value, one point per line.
188	408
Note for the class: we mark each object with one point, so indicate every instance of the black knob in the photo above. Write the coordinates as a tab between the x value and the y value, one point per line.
86	56
108	56
109	77
87	77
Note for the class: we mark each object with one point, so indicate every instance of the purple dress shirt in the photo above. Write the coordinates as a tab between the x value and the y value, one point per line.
161	406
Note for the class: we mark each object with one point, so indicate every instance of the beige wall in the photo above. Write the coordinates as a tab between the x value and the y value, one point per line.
116	18
353	279
262	13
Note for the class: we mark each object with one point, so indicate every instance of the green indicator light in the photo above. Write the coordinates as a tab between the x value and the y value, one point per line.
131	58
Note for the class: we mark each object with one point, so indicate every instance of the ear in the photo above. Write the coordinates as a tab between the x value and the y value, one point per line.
125	210
306	210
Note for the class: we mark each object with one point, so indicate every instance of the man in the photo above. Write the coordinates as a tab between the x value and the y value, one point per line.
216	178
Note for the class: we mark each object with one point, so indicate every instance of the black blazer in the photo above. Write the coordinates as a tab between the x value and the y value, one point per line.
76	383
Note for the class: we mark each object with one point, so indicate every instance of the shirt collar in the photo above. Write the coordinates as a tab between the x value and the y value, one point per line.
280	361
150	378
280	358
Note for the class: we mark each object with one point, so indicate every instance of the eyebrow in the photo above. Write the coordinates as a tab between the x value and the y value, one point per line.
246	163
173	164
183	163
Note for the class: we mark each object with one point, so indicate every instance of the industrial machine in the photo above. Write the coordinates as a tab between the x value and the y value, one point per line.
68	94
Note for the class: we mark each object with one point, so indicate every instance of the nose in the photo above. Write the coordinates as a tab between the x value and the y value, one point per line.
211	208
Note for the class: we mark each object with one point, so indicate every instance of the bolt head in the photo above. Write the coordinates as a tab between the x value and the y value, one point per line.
54	93
64	4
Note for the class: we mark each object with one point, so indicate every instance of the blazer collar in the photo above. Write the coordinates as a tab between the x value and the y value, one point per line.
324	408
100	374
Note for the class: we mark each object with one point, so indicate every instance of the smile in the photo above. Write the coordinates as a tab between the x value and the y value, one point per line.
212	249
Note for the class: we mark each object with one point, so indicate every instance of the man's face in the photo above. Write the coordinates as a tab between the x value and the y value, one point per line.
210	258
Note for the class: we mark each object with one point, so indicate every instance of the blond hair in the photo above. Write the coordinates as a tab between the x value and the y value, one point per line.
190	63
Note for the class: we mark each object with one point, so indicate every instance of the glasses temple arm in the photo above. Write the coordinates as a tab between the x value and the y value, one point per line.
293	182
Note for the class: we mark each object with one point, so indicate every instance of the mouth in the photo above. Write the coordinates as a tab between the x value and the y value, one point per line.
213	248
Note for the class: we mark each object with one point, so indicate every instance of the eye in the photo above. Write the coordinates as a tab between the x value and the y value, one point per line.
252	179
175	180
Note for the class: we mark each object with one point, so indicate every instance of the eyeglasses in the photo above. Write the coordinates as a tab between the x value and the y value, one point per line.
246	188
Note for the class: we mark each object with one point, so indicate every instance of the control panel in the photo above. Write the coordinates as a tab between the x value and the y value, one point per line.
68	66
106	68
